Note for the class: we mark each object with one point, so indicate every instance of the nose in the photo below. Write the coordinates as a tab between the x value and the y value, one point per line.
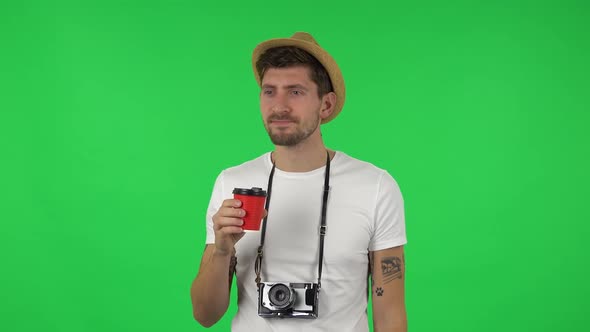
280	109
280	105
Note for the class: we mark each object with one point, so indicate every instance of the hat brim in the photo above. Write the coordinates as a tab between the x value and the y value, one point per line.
320	54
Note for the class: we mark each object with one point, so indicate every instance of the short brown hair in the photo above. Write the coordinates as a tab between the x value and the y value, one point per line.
291	56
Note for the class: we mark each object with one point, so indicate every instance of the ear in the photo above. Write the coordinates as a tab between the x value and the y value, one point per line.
328	104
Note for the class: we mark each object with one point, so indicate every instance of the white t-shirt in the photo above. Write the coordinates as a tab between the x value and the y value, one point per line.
364	213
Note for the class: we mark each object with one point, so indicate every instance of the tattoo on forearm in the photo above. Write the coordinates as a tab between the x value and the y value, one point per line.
232	267
391	268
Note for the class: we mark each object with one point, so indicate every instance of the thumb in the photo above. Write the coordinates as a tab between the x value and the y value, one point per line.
237	237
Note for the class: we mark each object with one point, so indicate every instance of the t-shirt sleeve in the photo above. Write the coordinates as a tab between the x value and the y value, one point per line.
389	228
214	205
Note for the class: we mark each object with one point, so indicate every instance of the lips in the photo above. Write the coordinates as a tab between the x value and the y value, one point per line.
279	121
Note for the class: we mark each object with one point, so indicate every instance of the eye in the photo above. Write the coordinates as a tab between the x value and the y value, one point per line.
297	92
267	92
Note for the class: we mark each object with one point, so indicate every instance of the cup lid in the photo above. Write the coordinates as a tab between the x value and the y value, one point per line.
254	191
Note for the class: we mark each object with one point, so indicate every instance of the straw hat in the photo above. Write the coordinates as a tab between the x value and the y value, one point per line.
306	42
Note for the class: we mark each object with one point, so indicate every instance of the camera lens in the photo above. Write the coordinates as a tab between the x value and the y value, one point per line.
281	296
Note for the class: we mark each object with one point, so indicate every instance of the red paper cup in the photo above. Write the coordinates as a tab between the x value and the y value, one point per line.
253	203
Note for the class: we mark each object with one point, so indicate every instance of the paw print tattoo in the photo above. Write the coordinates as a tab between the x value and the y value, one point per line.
379	291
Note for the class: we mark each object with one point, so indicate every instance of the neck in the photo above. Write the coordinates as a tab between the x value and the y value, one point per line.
301	158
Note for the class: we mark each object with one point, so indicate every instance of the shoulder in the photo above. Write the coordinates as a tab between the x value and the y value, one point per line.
252	173
364	177
356	168
253	165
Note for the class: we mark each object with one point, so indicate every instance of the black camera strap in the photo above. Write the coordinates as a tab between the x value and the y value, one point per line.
322	230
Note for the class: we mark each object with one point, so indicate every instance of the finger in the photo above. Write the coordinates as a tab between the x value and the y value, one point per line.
231	212
231	203
231	230
237	237
227	222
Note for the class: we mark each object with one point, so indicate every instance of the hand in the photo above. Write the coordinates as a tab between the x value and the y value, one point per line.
227	224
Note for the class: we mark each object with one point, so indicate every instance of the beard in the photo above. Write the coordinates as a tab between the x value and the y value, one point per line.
281	137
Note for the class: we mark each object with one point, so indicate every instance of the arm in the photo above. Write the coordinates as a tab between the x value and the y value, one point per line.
211	288
387	278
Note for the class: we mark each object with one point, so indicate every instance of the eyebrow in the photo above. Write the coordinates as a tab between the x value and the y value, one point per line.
291	86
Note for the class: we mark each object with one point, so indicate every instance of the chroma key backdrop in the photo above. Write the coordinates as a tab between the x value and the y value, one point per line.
117	116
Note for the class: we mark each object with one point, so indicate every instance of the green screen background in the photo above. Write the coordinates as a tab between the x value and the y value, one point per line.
116	117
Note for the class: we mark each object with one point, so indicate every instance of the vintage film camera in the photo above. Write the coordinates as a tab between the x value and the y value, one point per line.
288	300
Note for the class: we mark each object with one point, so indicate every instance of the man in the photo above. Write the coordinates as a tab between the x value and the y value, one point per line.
302	88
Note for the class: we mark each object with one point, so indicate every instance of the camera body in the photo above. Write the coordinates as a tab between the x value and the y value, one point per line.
288	300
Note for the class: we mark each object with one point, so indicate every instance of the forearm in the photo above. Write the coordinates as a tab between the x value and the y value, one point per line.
389	315
398	328
210	289
391	323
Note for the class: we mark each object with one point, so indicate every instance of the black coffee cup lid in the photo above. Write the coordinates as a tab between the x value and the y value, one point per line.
254	191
